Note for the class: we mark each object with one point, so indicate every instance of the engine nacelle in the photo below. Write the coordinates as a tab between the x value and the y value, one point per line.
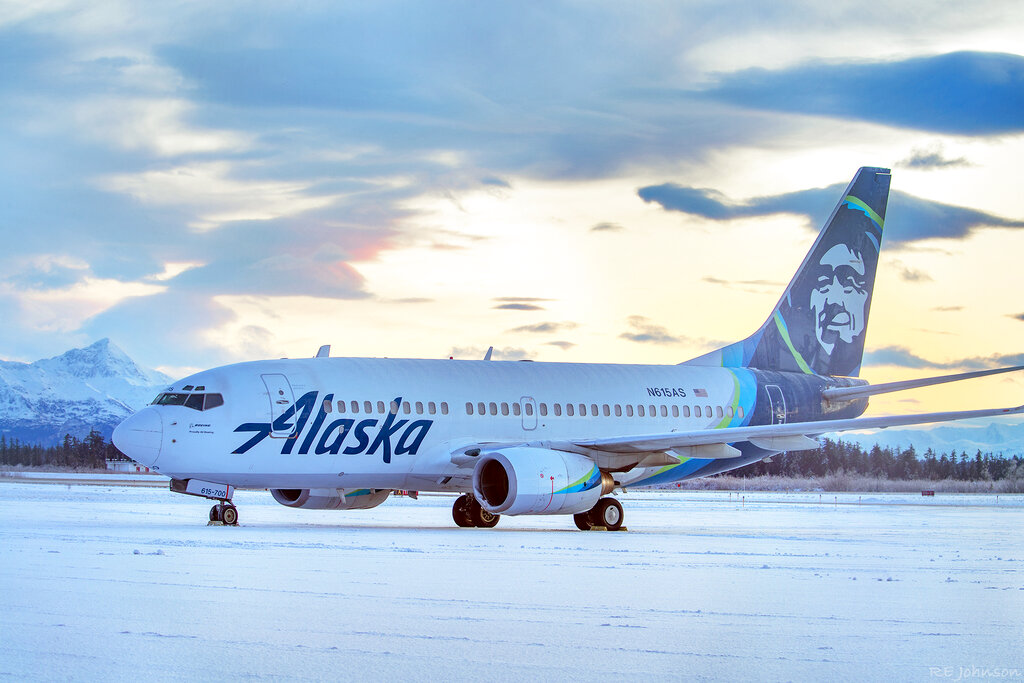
538	481
331	499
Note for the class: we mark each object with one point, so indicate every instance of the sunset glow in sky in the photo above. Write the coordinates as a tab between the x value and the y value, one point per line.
207	183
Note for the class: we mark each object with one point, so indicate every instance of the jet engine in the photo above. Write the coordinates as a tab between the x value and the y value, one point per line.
331	499
526	480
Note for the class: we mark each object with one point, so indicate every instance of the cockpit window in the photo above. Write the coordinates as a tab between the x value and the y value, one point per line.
193	401
170	399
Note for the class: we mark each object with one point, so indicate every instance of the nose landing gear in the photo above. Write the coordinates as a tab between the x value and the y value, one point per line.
224	513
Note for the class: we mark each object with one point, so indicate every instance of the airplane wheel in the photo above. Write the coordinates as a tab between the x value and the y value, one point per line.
486	519
583	522
230	515
479	517
215	512
460	511
608	513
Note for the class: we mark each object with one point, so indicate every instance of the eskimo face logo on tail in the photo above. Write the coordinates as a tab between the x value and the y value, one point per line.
328	438
839	298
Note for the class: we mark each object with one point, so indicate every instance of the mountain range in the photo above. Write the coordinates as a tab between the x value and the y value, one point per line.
82	389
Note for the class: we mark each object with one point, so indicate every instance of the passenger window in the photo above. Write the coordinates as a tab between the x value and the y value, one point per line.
654	411
504	408
213	401
593	409
739	412
696	411
686	411
368	407
664	411
392	407
629	410
355	406
516	410
675	411
431	407
640	411
480	408
558	409
328	406
618	410
419	407
406	407
583	410
529	409
494	407
568	410
606	411
341	406
707	411
469	408
719	412
543	407
444	407
728	411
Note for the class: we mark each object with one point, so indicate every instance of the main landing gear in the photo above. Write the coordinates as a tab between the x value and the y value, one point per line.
607	513
224	513
467	512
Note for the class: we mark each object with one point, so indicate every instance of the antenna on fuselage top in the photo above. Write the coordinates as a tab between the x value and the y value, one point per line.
324	352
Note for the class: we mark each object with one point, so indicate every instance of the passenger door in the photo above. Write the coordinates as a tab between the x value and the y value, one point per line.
282	399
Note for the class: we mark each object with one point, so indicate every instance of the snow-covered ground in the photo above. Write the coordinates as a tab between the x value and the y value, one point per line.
128	583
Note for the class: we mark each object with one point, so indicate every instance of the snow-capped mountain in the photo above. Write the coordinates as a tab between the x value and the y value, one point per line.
995	437
82	389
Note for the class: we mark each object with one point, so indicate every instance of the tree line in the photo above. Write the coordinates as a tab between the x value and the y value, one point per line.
887	463
831	458
91	452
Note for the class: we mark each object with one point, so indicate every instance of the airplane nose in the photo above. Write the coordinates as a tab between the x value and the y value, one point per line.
140	436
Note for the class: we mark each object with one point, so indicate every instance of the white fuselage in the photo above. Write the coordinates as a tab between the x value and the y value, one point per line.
341	431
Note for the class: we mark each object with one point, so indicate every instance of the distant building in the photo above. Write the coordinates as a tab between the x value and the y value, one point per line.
125	465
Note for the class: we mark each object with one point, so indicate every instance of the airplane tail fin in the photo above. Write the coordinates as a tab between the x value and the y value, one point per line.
819	325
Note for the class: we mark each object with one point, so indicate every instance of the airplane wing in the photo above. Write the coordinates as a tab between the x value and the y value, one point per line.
656	450
782	432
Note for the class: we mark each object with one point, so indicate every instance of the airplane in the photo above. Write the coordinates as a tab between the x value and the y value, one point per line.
538	438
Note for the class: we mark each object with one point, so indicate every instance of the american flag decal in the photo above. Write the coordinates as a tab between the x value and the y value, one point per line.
700	393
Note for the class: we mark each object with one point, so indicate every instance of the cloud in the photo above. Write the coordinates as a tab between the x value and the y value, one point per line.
544	328
607	227
477	353
519	307
564	345
960	93
908	218
904	357
746	285
930	159
519	299
645	332
947	309
908	274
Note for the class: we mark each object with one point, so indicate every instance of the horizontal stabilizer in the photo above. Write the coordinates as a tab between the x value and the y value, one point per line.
863	391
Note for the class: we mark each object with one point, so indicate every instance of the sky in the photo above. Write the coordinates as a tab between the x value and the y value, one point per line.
206	183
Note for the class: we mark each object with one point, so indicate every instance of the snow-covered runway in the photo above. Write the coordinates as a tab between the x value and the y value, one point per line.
114	583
